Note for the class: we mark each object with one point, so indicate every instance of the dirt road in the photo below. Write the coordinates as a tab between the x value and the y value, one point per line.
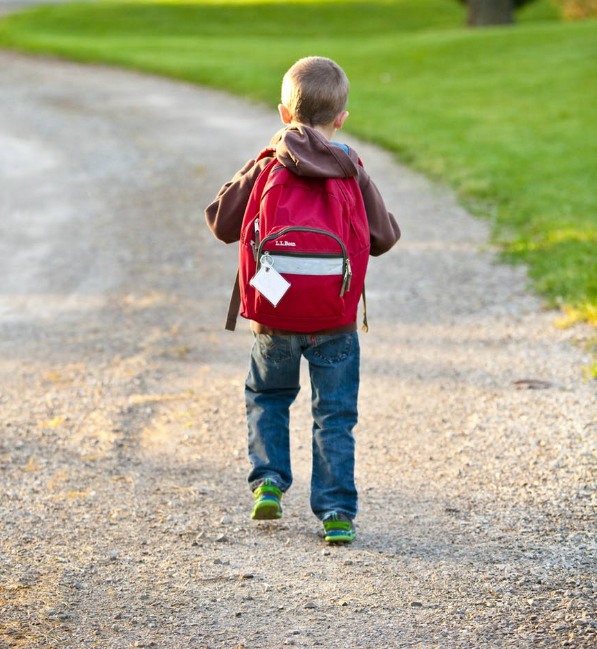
124	509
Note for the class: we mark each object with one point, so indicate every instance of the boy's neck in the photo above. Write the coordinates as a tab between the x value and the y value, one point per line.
327	130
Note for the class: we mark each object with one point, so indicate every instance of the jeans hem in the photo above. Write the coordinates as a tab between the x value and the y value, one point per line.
349	515
255	484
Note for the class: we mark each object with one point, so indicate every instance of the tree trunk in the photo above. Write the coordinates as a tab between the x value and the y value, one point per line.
490	12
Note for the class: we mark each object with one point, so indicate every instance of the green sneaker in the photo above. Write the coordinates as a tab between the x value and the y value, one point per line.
267	502
338	528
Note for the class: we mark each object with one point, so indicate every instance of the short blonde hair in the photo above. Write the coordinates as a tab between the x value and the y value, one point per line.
315	91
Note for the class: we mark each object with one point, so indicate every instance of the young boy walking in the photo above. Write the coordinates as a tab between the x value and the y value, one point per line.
314	99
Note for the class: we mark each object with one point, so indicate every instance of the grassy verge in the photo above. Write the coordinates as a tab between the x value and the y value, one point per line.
505	115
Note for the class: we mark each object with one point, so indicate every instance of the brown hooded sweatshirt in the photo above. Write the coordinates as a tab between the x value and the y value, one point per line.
305	152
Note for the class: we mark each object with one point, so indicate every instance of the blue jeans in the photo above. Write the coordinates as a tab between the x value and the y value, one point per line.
270	389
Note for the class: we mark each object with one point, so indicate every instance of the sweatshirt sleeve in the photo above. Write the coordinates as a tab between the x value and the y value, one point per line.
383	229
225	214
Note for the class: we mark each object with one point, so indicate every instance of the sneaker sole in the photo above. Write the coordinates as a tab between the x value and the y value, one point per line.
340	538
266	511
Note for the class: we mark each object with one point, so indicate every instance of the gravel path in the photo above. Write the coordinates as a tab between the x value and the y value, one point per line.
124	509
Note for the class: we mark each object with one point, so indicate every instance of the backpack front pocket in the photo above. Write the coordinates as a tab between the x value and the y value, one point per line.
317	285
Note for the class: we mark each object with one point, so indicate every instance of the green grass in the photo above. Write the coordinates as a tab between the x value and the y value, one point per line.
505	115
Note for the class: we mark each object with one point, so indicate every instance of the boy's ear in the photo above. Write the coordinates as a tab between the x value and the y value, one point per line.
284	114
339	121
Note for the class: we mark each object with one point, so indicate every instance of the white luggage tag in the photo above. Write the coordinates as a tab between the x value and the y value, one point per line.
269	282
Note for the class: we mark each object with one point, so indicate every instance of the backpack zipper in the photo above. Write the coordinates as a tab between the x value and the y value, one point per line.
347	275
286	253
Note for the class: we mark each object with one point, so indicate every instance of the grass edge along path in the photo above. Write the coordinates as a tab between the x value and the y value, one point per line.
503	115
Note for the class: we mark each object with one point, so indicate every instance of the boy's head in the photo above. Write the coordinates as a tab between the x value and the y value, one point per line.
315	93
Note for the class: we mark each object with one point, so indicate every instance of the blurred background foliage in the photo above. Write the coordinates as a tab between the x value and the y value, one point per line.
496	12
578	9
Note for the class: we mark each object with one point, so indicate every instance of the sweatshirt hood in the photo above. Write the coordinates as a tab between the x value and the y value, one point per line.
306	152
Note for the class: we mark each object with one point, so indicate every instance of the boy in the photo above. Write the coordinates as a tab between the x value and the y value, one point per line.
314	99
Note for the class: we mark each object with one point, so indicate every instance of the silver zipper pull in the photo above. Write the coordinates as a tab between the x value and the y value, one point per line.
255	244
347	276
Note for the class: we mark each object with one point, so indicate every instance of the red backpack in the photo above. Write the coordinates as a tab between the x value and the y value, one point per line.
314	234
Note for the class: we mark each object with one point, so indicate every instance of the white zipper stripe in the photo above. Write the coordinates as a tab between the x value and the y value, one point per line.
295	265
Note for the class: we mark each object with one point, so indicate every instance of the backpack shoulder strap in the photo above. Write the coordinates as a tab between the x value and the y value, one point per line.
365	326
234	306
268	152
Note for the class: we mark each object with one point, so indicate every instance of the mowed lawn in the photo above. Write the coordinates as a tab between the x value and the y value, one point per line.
505	115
